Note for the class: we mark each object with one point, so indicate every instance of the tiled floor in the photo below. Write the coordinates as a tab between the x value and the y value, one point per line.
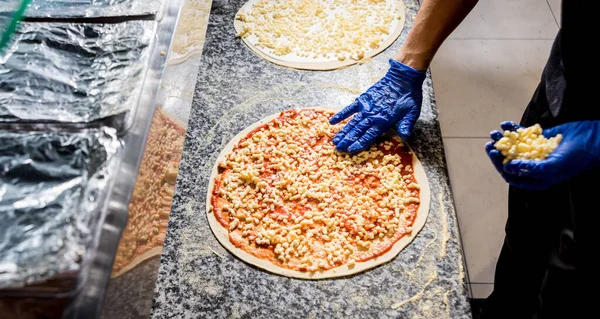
485	73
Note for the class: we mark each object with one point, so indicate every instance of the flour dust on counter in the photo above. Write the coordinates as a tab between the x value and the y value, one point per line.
283	199
319	35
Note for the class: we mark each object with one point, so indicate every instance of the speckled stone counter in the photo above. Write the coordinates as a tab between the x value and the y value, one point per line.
198	278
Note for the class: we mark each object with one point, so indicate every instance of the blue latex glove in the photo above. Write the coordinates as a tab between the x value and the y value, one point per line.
394	101
579	151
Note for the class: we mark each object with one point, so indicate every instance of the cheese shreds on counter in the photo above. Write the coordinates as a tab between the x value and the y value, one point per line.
319	30
152	196
527	143
286	195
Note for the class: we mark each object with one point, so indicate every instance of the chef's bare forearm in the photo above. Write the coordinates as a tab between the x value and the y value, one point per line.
434	23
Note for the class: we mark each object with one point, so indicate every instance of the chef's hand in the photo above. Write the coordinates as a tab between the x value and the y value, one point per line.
394	101
578	152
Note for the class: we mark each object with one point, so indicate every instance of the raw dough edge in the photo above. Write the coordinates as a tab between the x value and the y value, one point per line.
154	251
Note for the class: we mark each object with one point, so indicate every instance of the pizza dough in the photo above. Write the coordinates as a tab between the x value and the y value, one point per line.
152	196
319	35
222	233
191	31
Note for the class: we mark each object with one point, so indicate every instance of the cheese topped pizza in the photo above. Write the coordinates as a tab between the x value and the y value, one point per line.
150	205
284	199
319	34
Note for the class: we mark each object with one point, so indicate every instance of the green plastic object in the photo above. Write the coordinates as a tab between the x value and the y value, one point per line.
8	25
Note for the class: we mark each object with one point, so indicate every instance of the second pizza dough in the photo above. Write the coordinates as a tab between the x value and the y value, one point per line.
319	35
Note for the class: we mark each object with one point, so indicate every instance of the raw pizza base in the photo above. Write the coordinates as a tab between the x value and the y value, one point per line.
191	31
152	155
222	233
322	66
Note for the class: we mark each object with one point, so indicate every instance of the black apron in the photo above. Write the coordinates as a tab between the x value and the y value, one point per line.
546	268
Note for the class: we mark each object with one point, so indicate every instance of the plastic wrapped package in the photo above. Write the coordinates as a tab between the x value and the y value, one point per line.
88	8
65	72
53	188
73	66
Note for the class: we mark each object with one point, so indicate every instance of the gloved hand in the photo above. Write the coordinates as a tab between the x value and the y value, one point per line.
394	101
579	151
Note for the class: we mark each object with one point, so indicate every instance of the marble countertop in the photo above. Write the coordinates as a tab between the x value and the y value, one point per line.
199	278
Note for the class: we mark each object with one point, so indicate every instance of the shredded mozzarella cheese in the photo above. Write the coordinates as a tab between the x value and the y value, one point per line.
526	143
334	29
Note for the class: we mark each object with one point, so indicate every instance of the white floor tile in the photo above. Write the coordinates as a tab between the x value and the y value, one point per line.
481	291
513	19
556	7
481	200
480	83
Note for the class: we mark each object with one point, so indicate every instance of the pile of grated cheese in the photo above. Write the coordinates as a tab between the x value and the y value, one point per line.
288	190
331	29
526	143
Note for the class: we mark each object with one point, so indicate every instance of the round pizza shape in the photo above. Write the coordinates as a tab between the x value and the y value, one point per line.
283	199
317	34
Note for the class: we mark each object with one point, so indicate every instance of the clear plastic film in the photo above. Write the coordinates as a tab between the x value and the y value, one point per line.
87	8
66	72
52	188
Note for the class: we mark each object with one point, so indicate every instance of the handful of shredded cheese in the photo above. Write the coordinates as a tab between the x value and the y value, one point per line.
526	143
333	29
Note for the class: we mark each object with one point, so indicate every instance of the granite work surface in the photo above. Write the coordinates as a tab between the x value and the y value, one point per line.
199	278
